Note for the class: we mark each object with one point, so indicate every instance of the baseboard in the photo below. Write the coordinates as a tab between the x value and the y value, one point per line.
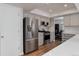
21	54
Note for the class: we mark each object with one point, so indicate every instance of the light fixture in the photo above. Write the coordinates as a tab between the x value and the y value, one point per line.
65	5
50	10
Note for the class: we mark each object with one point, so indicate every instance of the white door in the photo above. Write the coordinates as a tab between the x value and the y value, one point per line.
9	30
1	20
0	39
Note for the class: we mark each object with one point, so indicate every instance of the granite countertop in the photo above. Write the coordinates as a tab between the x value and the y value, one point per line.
44	31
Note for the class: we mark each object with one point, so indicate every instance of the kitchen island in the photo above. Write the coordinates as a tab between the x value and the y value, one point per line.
67	48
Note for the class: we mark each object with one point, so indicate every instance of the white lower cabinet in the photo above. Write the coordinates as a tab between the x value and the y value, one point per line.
52	36
40	38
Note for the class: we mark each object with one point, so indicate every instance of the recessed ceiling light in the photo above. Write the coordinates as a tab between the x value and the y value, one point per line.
50	10
65	5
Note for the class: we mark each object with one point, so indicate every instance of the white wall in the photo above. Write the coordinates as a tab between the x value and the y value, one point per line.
11	28
52	30
20	31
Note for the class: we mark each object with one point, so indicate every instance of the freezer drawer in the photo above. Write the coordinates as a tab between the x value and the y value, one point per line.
31	45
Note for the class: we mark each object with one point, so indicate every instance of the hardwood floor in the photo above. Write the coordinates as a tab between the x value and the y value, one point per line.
43	49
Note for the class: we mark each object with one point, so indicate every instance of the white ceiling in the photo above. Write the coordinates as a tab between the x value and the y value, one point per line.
49	8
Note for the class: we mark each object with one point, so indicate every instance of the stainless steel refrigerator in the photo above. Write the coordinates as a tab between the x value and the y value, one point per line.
30	34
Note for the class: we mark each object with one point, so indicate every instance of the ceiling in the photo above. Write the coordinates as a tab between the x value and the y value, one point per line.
50	8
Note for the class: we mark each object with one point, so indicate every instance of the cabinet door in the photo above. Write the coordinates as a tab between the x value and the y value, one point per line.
52	29
75	20
67	20
40	39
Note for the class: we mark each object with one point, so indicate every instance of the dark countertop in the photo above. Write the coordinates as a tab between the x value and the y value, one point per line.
44	31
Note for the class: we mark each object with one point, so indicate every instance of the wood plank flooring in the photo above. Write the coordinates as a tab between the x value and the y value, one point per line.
43	49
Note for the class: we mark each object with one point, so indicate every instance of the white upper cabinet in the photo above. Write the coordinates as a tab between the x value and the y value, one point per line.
75	20
67	20
71	20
